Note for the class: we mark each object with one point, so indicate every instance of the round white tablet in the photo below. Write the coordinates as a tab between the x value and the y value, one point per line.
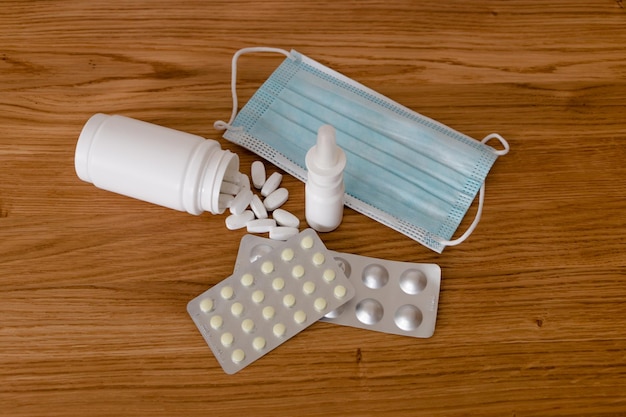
227	292
320	304
340	291
216	322
236	309
206	305
299	317
258	296
297	271
308	287
289	300
278	283
258	343
268	312
267	267
306	242
329	275
287	254
279	330
238	355
247	325
318	259
227	339
247	280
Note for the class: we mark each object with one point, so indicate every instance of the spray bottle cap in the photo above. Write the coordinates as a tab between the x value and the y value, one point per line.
326	158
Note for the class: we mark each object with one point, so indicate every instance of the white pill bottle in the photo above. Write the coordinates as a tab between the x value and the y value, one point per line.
152	163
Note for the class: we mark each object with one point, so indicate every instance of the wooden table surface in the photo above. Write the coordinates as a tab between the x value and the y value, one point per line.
94	285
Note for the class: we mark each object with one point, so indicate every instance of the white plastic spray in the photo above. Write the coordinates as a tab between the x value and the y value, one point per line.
324	192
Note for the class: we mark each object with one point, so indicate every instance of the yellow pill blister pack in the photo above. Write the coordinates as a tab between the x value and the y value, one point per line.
265	303
391	297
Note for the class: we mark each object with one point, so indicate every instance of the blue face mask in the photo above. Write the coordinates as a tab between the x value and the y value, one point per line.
403	169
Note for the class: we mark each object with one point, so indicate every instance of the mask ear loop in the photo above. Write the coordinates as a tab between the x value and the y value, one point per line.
481	194
220	124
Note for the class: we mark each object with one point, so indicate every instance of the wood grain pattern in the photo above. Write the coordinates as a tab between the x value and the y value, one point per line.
93	286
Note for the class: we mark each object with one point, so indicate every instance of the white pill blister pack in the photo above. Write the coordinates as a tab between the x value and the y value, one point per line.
265	303
391	296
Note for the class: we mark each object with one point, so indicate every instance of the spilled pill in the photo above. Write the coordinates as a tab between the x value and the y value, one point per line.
285	218
258	207
271	184
241	201
282	232
260	225
276	199
257	170
238	221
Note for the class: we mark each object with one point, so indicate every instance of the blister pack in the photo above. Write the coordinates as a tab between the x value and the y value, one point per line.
391	296
265	303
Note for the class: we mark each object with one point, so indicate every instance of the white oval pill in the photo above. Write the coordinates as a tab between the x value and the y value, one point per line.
238	221
276	199
285	218
271	184
243	180
229	188
241	201
282	232
260	225
258	207
257	170
225	200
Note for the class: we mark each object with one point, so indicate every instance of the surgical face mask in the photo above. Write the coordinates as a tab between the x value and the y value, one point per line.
403	169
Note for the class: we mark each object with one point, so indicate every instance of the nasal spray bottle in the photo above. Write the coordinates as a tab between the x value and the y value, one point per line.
324	191
155	164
